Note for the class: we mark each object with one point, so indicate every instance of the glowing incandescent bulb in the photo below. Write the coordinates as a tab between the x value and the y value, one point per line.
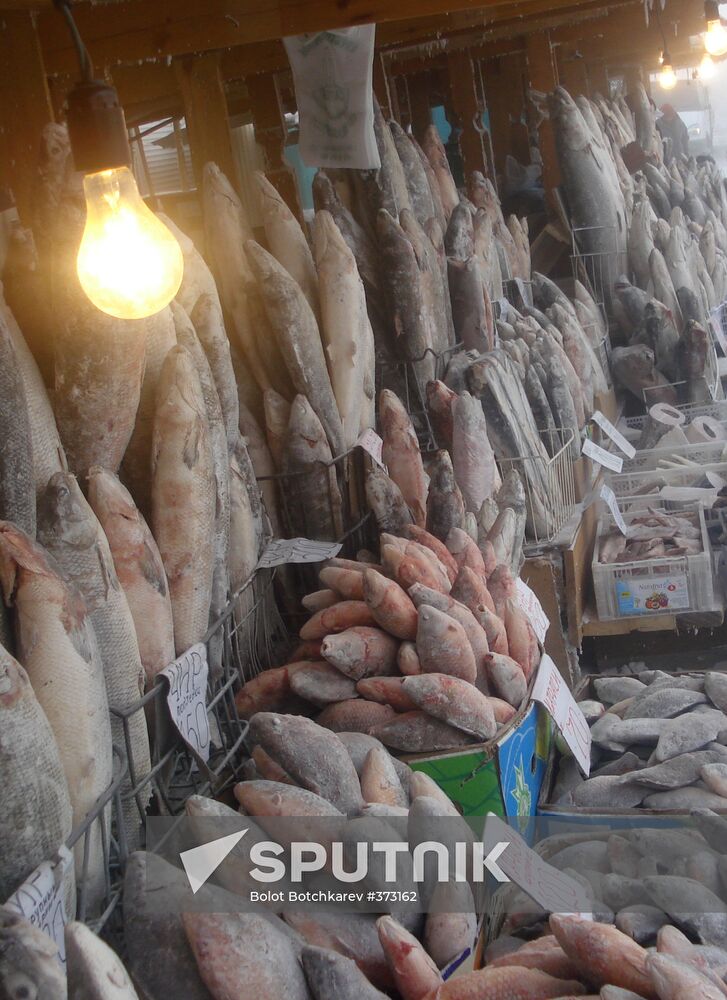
667	76
715	40
129	264
707	69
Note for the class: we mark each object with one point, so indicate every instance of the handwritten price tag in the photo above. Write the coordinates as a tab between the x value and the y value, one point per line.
533	609
296	550
40	899
616	436
553	693
609	497
603	457
372	444
550	888
187	698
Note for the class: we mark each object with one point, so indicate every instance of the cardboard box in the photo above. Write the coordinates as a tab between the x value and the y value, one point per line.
503	776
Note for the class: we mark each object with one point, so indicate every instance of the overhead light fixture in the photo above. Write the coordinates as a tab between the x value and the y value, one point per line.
706	69
129	264
715	39
667	76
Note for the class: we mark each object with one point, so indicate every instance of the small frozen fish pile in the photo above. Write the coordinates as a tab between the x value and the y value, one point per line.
659	742
660	920
426	650
654	535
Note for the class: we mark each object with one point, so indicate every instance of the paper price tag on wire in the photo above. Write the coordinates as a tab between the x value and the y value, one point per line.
597	454
552	692
550	888
616	436
533	609
40	899
187	698
296	550
373	445
609	497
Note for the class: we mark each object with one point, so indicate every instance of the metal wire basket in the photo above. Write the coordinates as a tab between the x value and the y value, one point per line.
597	271
556	480
518	293
249	630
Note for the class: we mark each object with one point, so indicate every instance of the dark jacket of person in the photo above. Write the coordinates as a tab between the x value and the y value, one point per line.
671	126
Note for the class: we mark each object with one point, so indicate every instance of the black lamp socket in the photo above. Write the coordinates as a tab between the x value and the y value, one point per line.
97	128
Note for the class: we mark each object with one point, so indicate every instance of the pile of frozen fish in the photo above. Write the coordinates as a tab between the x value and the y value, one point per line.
653	535
660	918
536	390
130	513
432	260
426	649
666	225
659	741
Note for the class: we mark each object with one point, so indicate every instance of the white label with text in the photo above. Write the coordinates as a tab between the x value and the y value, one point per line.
533	609
187	698
616	436
603	457
553	693
40	899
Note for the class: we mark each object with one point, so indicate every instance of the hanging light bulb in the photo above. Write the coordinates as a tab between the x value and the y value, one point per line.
707	69
715	40
667	76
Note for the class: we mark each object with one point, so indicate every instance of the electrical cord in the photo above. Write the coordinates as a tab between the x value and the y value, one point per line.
84	59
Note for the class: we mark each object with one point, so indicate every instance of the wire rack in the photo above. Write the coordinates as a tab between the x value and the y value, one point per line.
597	271
249	630
549	485
518	293
404	378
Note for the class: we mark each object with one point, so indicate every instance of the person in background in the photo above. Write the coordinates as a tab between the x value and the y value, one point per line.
671	126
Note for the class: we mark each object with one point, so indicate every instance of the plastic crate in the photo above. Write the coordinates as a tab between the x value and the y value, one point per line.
717	409
655	458
636	484
674	585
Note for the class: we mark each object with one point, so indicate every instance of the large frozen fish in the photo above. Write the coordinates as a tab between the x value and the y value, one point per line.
454	701
634	368
692	352
403	276
417	184
47	451
58	648
161	337
472	455
71	533
313	756
663	286
17	474
315	503
184	496
428	244
386	501
332	976
345	326
187	338
401	454
197	278
244	538
37	813
210	328
262	463
28	960
435	153
608	955
445	505
472	313
296	331
139	568
287	241
386	187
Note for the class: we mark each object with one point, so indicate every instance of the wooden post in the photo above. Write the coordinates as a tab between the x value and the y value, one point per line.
25	106
270	134
572	70
467	107
419	103
205	111
597	75
542	76
505	102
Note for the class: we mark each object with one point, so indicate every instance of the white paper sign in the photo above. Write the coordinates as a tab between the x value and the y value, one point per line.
603	457
609	497
296	550
333	76
552	692
533	609
372	444
616	436
40	900
550	888
187	698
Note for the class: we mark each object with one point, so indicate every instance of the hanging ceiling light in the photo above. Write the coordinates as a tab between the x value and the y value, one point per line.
129	264
715	40
706	69
667	76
